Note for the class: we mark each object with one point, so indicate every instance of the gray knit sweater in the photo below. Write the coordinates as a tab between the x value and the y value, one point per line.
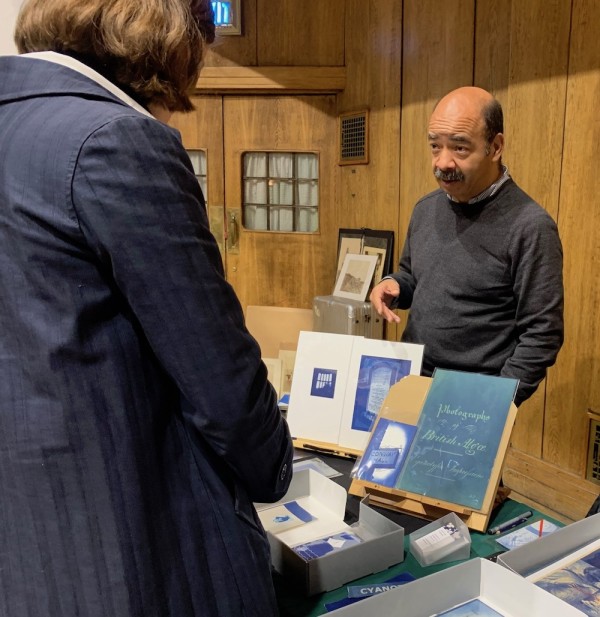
484	285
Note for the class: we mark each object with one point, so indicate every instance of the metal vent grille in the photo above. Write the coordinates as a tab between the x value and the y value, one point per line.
353	129
593	466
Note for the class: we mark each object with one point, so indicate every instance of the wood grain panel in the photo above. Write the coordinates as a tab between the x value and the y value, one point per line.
537	79
437	57
368	195
203	129
574	386
234	50
269	79
282	269
549	484
301	33
492	46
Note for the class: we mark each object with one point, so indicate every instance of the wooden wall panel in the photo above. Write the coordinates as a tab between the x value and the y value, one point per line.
368	194
203	129
292	33
237	50
437	57
492	46
282	269
537	80
574	385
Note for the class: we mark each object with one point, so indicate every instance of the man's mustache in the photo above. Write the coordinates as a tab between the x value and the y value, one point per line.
448	176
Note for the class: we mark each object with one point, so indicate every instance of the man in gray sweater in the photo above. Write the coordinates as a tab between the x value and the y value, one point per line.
481	268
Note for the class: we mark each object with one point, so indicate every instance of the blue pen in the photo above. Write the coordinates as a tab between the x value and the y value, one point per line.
513	522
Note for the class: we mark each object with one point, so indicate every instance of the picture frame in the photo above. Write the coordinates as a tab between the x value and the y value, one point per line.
355	277
365	241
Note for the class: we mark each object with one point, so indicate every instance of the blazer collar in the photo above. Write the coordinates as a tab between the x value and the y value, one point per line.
51	56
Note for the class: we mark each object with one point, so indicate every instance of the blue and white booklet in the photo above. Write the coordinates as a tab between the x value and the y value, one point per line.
385	453
329	544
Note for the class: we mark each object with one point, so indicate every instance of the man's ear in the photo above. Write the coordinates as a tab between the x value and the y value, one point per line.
497	147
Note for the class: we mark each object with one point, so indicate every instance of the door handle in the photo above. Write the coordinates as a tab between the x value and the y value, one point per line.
233	235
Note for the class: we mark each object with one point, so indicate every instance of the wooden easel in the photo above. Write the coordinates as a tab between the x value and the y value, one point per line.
326	448
403	403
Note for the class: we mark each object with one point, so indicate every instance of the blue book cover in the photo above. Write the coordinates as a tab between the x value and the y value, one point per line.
385	453
458	435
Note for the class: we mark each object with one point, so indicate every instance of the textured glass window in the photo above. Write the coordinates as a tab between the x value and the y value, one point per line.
281	191
198	158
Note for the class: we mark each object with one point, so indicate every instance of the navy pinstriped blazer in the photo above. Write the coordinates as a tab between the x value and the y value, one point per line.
136	422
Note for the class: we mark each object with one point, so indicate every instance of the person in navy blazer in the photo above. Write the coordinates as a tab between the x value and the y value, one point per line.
137	425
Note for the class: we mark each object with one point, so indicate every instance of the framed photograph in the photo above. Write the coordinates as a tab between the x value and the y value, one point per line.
347	245
355	277
380	254
366	241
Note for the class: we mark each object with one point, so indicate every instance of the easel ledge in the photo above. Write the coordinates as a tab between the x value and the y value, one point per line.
326	448
418	505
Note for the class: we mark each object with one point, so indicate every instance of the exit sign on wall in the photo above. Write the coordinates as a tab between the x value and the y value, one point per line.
227	16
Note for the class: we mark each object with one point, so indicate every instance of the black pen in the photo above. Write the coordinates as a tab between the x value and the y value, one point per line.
510	524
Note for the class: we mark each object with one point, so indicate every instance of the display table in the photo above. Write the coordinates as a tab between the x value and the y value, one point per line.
291	601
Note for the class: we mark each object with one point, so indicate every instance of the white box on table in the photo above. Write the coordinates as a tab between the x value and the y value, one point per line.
527	559
501	589
382	542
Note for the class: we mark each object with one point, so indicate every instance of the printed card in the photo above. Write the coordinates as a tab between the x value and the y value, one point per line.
283	517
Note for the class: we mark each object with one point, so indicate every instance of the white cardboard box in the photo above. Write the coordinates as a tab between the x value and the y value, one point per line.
382	542
527	559
501	589
564	545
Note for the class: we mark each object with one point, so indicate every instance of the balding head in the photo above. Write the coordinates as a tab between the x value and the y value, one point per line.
478	102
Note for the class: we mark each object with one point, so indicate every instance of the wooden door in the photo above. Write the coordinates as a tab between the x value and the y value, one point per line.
202	130
268	268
